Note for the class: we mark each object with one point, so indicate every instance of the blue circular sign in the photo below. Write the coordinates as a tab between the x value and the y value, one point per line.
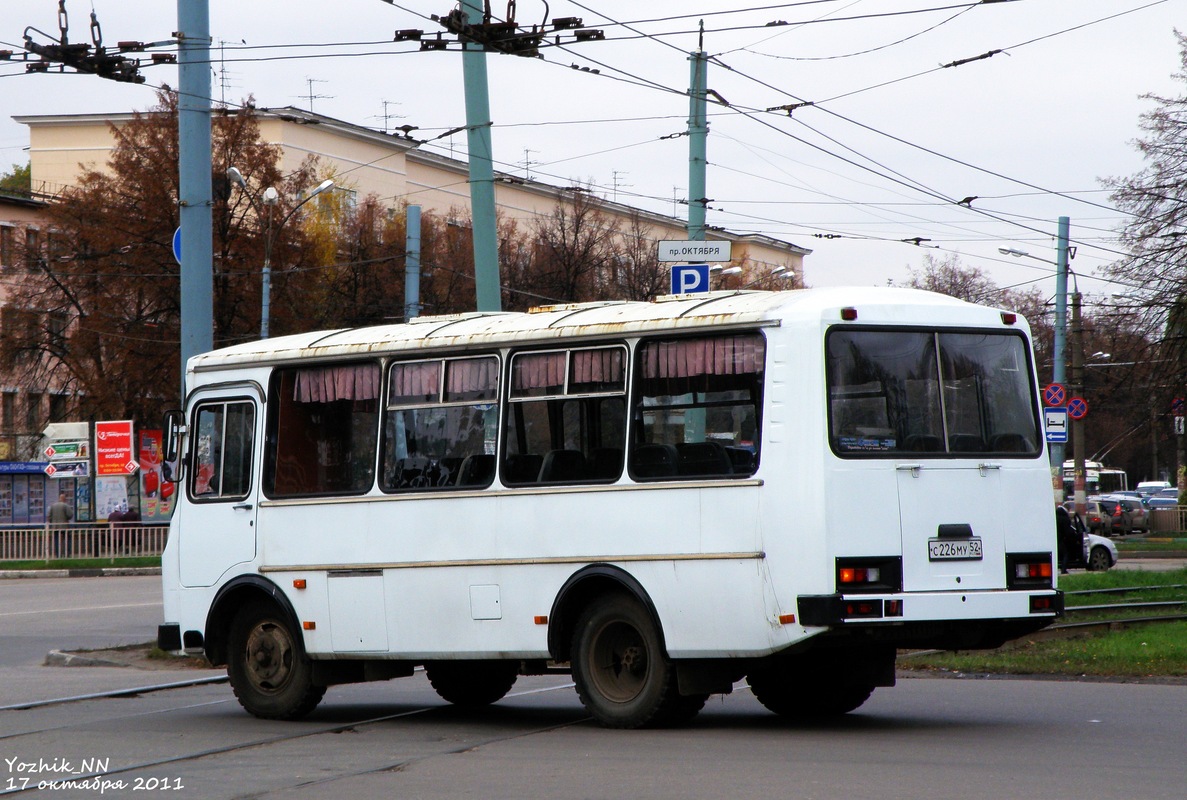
177	244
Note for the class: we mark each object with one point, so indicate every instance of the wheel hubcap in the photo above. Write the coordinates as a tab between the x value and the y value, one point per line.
269	657
620	663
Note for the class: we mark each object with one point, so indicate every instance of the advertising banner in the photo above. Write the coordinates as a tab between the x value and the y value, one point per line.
156	494
114	454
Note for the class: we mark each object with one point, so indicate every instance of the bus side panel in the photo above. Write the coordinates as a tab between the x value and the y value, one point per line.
475	588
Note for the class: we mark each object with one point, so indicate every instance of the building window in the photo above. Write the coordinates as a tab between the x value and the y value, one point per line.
32	247
33	412
59	405
8	411
7	239
56	325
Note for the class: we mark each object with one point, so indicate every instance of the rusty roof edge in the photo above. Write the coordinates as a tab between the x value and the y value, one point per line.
550	334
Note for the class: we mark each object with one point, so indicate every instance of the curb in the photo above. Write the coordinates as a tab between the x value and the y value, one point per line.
59	658
90	572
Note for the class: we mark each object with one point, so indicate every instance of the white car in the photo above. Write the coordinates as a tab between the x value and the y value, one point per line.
1099	553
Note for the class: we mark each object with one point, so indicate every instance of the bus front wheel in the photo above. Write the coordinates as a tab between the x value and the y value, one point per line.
471	684
622	675
267	666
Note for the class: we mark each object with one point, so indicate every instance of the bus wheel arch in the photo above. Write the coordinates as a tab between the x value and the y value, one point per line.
232	597
583	588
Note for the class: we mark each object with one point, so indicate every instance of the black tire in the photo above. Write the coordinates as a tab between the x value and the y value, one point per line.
623	677
801	692
266	663
1099	559
472	684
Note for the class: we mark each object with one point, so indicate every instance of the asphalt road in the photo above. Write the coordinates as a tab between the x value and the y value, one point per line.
42	614
925	738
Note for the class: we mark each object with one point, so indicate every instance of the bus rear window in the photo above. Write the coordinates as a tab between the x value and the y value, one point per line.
926	393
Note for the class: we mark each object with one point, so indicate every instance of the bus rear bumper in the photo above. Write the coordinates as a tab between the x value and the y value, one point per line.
945	620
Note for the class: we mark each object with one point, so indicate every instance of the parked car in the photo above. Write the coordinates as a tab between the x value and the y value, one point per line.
1127	514
1097	516
1148	488
1099	553
1164	498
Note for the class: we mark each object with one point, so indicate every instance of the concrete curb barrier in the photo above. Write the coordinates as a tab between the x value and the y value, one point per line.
90	572
59	658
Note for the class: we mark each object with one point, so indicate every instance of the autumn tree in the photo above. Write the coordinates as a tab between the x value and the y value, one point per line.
18	180
104	287
635	271
1154	269
575	247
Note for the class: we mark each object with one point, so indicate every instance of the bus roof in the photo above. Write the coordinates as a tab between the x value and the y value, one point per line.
716	310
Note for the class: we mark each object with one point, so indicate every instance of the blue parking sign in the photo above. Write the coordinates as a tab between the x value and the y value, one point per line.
690	278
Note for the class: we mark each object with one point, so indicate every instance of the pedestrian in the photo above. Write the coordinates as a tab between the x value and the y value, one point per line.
1068	540
115	521
60	515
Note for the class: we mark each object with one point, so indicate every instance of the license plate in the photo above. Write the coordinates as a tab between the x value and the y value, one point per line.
954	549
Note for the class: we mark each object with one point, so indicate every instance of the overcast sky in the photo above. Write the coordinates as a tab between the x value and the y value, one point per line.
894	141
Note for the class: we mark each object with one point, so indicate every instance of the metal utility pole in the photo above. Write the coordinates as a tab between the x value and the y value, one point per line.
1077	388
482	171
411	262
472	24
195	194
698	133
1059	358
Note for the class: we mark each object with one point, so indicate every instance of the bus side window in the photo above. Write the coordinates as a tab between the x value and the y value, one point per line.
223	450
440	424
696	407
322	430
566	417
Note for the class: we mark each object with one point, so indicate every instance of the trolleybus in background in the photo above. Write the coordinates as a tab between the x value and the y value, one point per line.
663	497
1098	479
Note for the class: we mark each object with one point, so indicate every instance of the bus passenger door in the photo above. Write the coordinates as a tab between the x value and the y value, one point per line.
221	488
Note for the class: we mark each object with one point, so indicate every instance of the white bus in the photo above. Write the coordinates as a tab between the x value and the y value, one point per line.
663	498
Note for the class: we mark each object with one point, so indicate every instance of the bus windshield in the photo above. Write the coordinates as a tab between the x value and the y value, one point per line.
932	394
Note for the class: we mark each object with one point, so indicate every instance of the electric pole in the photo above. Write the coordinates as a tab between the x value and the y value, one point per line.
477	32
1077	389
698	134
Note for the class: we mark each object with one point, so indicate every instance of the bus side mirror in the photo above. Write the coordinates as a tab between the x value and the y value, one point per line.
174	427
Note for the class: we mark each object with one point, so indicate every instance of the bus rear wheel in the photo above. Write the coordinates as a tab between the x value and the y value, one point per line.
622	675
267	666
803	691
472	684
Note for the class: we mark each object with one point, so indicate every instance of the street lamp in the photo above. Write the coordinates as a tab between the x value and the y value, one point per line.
720	272
270	197
782	273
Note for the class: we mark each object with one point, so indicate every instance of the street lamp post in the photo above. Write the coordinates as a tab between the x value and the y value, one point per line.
270	197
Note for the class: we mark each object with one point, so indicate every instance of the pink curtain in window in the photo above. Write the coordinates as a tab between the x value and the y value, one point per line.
537	370
327	384
597	366
471	375
416	380
719	355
